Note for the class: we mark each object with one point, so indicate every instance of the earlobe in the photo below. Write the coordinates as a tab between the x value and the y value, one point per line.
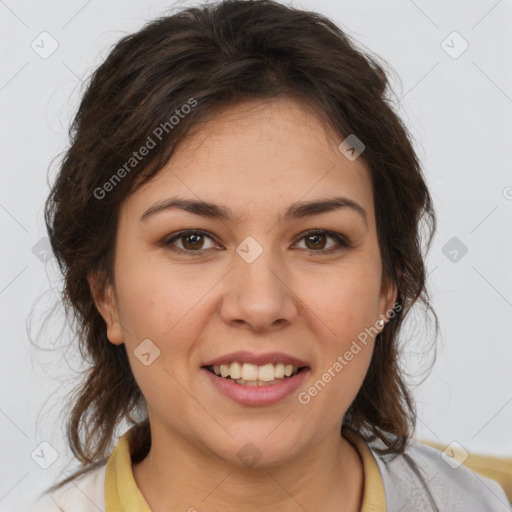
104	299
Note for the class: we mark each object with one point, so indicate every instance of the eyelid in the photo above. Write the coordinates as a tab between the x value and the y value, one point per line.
343	242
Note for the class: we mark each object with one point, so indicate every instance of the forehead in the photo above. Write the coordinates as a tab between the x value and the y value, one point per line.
255	154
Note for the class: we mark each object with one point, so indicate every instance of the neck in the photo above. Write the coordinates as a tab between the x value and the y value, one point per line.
178	474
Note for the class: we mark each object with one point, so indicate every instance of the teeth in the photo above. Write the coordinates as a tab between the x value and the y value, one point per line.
249	372
235	370
253	373
267	373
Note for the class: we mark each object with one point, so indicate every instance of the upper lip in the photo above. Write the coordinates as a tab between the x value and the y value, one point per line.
257	359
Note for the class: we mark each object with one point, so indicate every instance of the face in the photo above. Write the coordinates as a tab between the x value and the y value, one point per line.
261	274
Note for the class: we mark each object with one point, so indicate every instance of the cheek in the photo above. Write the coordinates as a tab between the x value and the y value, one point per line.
348	302
348	307
171	309
343	363
164	308
156	300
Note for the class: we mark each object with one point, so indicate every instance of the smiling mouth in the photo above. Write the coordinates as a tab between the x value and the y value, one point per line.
252	375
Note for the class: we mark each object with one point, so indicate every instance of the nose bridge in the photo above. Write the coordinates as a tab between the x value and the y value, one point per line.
258	268
258	293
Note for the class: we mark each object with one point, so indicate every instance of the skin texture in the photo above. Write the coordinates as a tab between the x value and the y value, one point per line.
257	158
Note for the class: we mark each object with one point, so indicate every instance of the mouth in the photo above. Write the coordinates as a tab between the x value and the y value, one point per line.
253	385
247	374
252	379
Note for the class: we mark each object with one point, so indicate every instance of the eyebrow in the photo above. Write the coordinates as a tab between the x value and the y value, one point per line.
296	211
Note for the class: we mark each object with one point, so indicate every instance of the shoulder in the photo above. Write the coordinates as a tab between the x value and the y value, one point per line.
422	476
85	493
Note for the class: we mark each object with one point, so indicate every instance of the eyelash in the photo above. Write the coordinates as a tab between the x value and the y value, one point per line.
343	242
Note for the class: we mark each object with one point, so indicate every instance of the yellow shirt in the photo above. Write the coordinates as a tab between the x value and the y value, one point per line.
123	495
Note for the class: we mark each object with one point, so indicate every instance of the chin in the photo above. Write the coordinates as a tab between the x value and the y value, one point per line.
258	451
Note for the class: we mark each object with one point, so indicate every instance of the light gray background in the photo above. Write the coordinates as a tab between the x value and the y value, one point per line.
459	111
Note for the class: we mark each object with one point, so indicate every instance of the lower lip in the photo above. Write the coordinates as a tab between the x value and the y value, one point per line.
257	395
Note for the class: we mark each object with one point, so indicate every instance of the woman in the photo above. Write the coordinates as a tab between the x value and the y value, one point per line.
238	224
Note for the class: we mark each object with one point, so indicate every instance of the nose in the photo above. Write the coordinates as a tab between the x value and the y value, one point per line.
258	295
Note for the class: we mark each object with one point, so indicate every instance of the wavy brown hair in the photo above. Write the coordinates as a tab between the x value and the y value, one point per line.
219	55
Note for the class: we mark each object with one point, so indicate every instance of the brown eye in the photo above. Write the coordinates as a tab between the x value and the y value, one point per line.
193	241
190	241
316	241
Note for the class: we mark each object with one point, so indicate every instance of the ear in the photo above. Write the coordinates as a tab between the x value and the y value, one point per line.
106	304
388	299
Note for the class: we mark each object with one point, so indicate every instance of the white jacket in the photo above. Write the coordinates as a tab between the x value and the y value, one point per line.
418	480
